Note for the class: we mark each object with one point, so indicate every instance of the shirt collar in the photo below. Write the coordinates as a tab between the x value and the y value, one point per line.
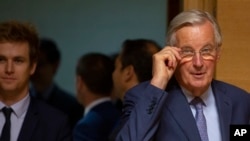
94	103
20	107
206	97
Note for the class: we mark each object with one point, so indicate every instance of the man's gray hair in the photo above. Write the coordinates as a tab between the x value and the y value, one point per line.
192	17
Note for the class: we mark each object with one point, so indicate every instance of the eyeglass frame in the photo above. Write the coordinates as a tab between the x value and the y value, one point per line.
202	52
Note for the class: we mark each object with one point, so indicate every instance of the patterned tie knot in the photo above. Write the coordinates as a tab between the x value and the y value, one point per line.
7	112
198	103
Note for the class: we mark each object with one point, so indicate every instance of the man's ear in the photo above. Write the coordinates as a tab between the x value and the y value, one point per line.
219	51
55	66
79	82
128	73
33	68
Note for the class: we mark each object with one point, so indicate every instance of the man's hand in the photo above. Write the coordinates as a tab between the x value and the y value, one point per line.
164	65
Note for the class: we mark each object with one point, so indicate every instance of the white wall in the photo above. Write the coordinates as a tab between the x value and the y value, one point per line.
82	26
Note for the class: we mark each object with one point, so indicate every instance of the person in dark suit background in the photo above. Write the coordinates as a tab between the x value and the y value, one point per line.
133	64
94	85
44	87
30	119
183	96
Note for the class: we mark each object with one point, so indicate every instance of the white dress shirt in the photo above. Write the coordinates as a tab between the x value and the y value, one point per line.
210	112
17	117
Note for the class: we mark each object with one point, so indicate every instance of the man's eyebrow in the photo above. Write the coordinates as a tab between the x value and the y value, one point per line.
208	45
186	47
18	58
2	56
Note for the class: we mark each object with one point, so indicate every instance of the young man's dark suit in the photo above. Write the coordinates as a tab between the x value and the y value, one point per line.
65	102
44	123
167	114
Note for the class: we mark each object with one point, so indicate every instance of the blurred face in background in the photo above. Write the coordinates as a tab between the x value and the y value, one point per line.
45	71
80	90
119	79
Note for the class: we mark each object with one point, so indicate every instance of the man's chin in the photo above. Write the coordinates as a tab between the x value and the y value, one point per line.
200	84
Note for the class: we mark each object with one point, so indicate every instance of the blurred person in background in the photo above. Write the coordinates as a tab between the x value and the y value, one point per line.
44	87
94	85
133	64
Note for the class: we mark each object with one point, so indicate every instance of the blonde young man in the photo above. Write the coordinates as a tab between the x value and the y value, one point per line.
28	119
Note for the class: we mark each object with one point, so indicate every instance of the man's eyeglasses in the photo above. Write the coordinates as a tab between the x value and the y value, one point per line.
207	53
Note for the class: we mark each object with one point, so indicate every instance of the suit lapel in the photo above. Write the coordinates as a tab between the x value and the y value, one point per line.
224	107
29	122
179	107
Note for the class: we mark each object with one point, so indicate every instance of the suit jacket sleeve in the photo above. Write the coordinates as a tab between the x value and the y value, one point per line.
142	110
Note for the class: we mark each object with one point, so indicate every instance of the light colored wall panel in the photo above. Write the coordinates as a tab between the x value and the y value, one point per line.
234	65
207	5
82	26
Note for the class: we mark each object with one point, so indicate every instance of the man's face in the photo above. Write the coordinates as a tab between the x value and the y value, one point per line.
80	89
196	74
45	71
15	68
118	79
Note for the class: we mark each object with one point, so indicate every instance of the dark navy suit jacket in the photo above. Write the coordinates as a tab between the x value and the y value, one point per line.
98	124
44	123
154	114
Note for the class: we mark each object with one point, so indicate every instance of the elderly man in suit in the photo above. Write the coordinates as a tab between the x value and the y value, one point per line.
183	102
22	117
